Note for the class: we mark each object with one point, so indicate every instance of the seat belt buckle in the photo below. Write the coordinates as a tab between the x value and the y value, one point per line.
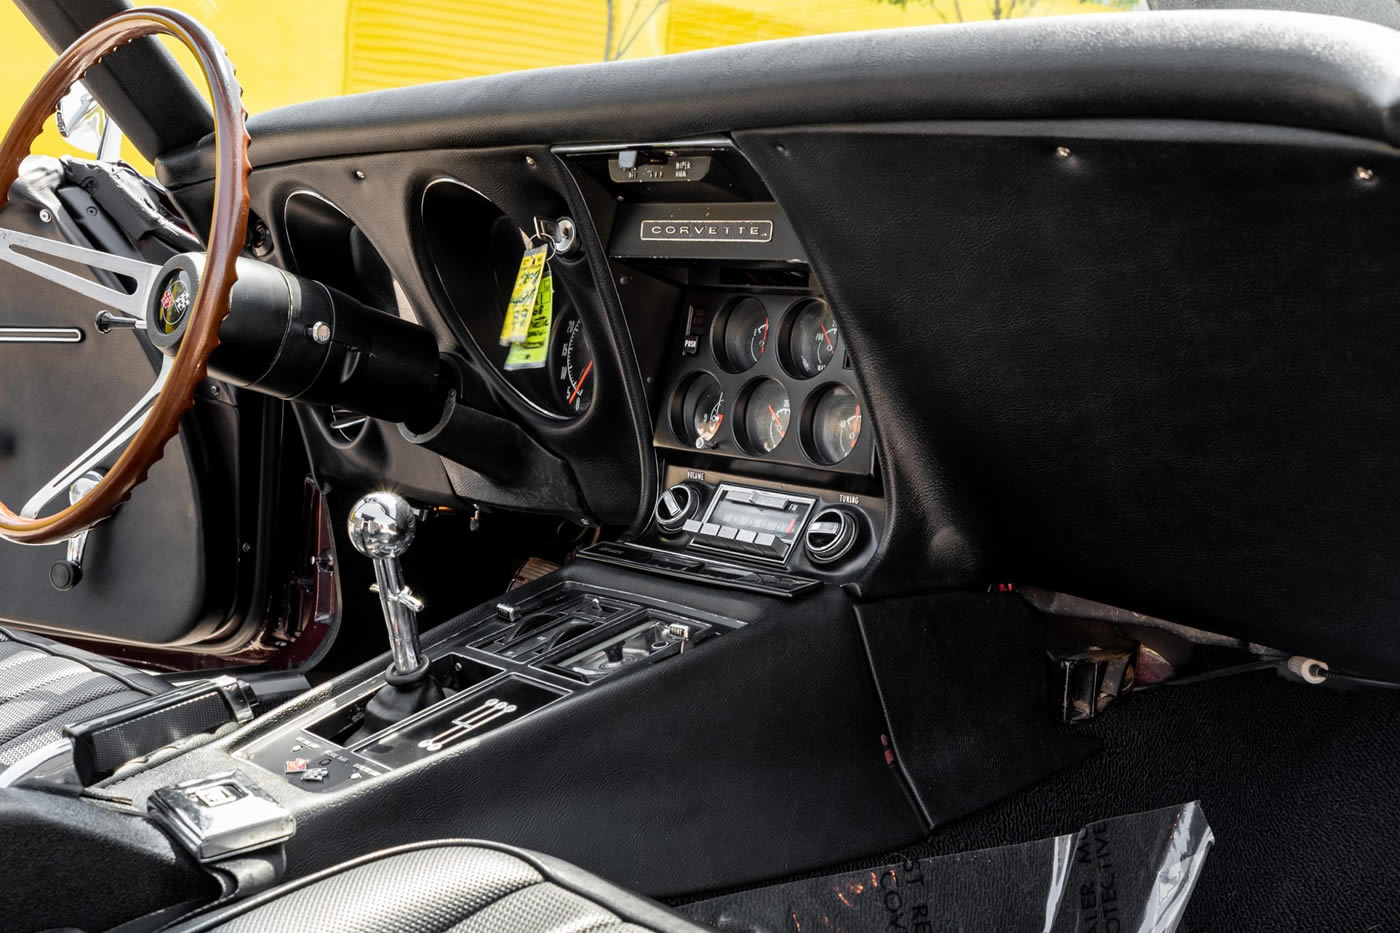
221	816
232	827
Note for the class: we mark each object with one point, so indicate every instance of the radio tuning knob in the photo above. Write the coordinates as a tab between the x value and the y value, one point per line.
831	535
675	507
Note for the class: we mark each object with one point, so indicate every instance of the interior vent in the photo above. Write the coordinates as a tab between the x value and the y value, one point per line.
345	424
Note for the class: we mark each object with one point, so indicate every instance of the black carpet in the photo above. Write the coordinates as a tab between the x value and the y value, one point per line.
1301	785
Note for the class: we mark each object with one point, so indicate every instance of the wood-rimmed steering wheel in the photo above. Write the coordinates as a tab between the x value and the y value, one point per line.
156	418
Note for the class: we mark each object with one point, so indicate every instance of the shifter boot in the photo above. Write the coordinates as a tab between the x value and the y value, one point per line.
401	697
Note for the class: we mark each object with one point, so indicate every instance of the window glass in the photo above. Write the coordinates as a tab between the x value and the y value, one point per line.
295	50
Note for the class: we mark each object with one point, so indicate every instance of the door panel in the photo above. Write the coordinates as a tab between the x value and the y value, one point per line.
158	572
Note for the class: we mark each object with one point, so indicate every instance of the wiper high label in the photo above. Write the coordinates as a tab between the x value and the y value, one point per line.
708	231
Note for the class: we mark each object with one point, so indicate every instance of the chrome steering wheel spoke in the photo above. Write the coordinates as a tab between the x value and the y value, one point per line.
130	304
96	455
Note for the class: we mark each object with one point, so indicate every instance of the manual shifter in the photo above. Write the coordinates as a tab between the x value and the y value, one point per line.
381	528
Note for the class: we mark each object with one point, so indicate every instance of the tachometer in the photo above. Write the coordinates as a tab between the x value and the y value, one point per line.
765	411
809	341
572	366
834	428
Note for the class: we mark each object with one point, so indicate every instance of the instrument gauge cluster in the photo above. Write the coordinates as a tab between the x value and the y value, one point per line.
765	376
474	249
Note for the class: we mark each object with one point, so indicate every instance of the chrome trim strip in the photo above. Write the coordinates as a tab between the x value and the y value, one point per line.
704	142
10	333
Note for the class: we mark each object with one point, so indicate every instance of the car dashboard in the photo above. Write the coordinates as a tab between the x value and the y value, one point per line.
869	357
750	407
1010	351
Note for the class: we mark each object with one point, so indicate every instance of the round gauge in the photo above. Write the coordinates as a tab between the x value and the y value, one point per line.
835	425
809	340
697	411
765	411
572	366
741	334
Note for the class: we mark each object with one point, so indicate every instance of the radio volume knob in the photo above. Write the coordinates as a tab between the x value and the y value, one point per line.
830	535
675	507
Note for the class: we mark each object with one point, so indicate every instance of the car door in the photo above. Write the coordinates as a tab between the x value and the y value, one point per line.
173	566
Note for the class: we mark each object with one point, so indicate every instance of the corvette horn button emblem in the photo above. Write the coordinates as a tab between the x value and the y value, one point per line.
175	300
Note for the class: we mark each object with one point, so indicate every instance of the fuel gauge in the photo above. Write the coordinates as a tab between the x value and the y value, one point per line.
809	338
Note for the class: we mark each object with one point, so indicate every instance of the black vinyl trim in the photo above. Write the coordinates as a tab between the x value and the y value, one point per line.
98	665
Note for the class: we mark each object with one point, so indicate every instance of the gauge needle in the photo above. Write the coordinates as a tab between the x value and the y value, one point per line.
578	386
776	419
829	344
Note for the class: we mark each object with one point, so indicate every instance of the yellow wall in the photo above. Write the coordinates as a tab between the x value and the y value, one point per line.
284	51
390	43
294	50
703	24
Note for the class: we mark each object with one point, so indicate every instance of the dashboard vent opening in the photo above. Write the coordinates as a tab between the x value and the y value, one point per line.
346	425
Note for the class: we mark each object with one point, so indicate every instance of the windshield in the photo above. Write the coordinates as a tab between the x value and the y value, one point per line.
295	50
290	51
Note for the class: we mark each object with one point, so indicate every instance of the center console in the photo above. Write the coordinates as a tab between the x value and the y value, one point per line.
526	655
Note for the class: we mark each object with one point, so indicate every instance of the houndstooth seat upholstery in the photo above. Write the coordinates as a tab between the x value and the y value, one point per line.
45	685
449	886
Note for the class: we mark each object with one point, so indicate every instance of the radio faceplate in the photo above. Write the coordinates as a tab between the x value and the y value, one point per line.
747	532
748	522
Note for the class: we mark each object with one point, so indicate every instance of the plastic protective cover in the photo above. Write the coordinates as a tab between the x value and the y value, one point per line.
1131	874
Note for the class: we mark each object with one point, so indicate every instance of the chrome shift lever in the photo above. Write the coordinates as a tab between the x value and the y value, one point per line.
381	528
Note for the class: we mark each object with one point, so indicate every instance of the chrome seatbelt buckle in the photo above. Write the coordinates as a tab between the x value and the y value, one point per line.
220	816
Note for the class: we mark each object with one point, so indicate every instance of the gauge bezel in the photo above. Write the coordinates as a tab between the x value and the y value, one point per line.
807	431
786	356
719	334
696	316
682	428
473	247
741	416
